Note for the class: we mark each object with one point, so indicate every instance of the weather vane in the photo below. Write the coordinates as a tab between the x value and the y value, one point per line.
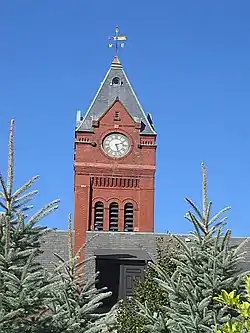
118	40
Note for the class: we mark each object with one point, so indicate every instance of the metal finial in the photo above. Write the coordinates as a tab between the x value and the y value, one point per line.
118	40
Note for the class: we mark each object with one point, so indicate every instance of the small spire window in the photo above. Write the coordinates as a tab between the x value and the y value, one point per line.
117	115
116	81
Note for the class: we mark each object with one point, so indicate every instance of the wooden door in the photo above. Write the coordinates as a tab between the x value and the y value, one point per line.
129	274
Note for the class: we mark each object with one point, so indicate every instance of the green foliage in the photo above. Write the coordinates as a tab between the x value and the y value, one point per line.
78	299
206	264
240	303
32	300
147	291
24	283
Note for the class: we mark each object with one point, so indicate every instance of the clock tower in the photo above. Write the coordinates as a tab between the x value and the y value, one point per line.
114	161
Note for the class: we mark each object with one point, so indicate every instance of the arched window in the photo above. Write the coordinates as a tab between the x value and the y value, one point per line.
98	216
113	216
128	217
116	81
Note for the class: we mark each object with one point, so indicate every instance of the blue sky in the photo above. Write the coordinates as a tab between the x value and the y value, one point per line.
188	62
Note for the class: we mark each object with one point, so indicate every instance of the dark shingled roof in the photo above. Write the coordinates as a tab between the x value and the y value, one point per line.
117	242
106	96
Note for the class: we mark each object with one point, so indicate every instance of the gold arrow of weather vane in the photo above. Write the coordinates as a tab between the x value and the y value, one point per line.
118	40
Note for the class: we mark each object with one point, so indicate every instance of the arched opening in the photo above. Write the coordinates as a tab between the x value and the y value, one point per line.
98	216
129	217
115	81
113	216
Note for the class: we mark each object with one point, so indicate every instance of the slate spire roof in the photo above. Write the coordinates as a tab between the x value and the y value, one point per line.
115	86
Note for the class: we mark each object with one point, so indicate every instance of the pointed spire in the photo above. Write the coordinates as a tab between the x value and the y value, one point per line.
115	84
116	62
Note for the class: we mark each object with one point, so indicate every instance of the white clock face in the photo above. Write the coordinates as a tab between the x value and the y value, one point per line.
116	145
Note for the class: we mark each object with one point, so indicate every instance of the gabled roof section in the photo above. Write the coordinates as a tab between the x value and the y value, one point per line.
110	107
115	84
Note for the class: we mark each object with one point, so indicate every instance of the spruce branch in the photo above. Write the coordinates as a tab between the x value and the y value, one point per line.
70	243
22	205
25	196
46	210
204	194
191	217
25	187
7	235
3	206
216	216
4	194
10	161
195	208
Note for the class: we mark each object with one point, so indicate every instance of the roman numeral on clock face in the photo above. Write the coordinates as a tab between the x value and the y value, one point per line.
116	145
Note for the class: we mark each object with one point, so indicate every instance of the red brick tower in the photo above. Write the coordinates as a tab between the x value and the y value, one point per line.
114	162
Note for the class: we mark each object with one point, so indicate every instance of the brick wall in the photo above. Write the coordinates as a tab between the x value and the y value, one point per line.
99	177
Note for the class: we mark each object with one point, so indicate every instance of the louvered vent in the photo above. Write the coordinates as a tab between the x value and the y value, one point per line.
113	216
99	215
129	217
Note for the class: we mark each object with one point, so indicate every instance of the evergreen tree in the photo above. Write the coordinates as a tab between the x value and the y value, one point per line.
32	300
147	290
24	283
79	301
206	265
